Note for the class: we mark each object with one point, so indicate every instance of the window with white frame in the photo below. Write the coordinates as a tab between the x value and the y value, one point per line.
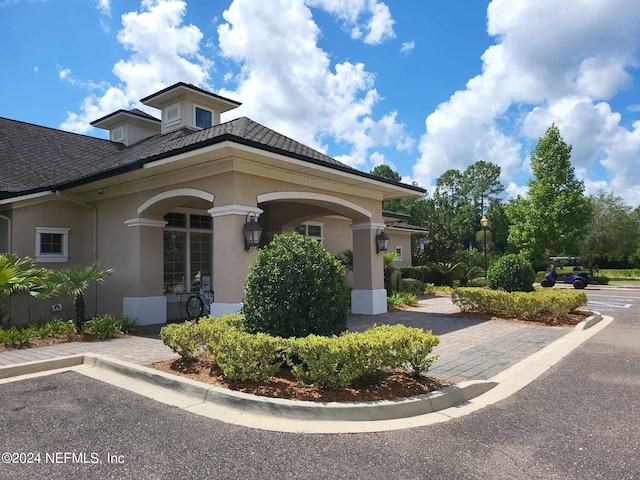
203	118
399	252
311	230
187	241
52	245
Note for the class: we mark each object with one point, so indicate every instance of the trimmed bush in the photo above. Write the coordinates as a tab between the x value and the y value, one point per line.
295	288
183	338
245	356
413	286
336	362
523	305
511	273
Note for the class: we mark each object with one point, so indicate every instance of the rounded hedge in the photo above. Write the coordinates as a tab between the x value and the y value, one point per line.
512	273
295	288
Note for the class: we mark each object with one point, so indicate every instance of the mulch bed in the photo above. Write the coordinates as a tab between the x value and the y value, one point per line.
390	384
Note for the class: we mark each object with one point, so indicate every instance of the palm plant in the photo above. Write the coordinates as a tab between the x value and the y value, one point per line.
447	271
388	259
346	258
18	275
74	282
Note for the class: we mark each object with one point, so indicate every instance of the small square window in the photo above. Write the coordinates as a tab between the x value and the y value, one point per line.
203	118
399	252
52	244
301	229
314	230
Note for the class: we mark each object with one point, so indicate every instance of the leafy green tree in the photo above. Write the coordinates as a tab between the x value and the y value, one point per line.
74	282
483	183
555	213
499	226
613	231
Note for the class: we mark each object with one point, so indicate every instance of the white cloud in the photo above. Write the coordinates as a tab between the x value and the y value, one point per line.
377	26
514	191
288	83
407	47
36	69
104	7
554	61
634	108
163	51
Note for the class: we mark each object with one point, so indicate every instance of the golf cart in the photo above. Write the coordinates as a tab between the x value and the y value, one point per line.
578	278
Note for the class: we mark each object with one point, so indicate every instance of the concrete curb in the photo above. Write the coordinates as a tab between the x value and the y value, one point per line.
281	408
589	321
312	417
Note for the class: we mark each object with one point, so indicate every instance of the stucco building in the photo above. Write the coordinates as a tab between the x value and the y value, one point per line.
161	200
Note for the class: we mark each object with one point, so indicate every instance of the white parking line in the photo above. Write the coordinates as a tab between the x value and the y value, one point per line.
609	304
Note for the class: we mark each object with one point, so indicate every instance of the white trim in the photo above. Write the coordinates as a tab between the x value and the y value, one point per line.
182	156
146	310
367	226
206	109
26	197
52	257
234	210
218	309
268	197
369	302
178	192
145	222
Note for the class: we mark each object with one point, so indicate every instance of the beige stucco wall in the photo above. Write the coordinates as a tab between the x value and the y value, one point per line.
402	240
135	253
60	214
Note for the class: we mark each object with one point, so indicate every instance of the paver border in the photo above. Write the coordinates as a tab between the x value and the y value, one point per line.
313	417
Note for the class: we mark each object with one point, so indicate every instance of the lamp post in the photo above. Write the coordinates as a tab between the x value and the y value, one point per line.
484	222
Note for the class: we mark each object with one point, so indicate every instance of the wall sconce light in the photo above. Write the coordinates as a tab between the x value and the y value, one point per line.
382	241
252	232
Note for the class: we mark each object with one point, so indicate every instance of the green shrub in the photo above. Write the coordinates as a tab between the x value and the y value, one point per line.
213	329
511	273
477	282
416	272
599	280
245	356
102	327
400	299
336	362
413	286
523	305
183	338
17	337
295	288
128	325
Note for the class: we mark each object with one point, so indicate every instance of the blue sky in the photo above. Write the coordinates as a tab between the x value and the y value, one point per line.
423	86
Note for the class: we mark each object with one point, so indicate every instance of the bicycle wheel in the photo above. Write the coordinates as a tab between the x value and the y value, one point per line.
194	306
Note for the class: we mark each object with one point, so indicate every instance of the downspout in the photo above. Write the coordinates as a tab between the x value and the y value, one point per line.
95	234
8	232
8	251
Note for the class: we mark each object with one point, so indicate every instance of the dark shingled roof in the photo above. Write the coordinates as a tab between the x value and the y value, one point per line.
35	158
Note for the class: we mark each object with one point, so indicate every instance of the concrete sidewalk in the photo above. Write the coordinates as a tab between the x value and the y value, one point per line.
469	349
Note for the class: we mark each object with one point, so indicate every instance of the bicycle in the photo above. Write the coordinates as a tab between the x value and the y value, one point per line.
199	302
